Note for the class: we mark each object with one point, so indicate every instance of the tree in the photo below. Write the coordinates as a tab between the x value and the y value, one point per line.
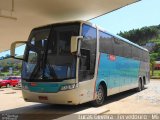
152	65
153	58
141	36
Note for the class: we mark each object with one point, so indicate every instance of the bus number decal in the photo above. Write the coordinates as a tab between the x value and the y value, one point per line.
112	57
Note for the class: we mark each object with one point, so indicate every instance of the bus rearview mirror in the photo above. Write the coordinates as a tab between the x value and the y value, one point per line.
17	49
75	43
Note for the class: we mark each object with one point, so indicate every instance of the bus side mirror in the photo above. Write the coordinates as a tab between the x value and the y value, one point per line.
17	49
75	43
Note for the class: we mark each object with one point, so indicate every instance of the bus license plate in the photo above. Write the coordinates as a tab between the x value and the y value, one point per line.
43	98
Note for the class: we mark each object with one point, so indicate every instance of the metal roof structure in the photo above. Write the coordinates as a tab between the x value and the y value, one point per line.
18	17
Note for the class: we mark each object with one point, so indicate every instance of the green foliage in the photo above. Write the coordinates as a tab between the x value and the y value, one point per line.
154	56
156	73
5	57
5	64
1	74
143	35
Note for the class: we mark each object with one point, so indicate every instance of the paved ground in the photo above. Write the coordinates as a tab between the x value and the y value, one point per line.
144	102
147	101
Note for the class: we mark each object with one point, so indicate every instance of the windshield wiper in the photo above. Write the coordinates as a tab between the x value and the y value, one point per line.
39	67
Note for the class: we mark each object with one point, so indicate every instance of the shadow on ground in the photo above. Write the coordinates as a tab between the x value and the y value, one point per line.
120	96
48	112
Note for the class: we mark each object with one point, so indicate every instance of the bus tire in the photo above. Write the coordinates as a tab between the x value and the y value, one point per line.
139	88
143	85
100	97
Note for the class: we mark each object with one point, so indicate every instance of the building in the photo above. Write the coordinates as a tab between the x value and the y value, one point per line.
157	65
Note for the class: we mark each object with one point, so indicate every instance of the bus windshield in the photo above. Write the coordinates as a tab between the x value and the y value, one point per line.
47	56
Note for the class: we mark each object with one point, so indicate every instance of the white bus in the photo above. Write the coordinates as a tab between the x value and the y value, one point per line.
77	62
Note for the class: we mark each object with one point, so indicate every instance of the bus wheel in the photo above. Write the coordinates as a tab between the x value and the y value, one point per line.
143	85
139	85
100	97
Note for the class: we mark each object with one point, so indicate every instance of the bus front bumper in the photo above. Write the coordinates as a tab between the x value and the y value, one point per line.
70	97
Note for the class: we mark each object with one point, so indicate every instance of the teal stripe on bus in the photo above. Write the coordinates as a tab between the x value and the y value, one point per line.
43	87
117	72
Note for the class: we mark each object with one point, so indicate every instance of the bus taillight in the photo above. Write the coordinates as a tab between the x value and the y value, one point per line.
33	84
112	57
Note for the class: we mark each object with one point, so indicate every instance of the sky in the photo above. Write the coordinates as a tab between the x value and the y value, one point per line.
137	15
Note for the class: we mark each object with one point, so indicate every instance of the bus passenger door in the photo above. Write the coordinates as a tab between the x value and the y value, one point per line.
87	62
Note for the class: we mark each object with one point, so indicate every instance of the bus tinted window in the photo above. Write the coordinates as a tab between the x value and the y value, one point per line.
113	45
139	52
148	57
118	47
88	53
127	50
135	52
105	43
145	56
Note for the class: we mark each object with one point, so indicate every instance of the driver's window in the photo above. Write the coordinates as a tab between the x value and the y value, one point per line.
88	53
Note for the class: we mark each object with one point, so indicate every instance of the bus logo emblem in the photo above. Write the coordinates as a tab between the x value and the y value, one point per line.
112	57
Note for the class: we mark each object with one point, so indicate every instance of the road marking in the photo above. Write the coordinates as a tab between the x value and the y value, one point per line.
104	112
10	93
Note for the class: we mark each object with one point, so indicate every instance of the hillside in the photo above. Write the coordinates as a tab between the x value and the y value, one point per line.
10	63
143	35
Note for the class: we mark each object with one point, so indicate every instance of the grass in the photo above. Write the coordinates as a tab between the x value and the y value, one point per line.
157	41
156	74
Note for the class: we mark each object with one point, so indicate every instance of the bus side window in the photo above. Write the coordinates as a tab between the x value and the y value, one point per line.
105	43
134	53
118	47
127	50
88	53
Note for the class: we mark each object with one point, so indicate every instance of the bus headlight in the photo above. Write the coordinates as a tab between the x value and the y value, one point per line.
68	87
